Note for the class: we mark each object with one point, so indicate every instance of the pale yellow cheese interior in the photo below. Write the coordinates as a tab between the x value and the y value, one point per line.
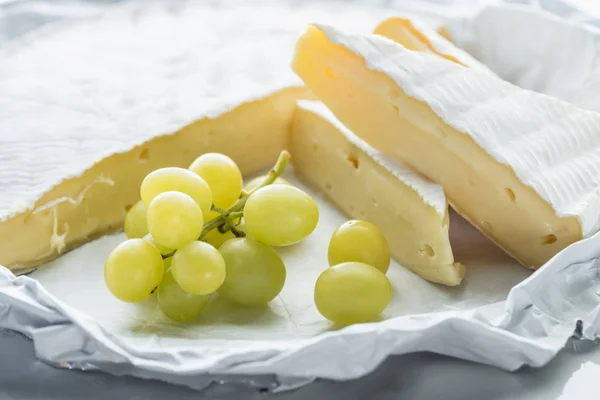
486	192
252	134
402	30
364	189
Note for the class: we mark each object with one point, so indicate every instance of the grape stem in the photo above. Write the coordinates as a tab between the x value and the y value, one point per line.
237	232
219	210
226	220
235	215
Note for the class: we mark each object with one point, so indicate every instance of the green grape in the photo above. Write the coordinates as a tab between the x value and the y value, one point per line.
133	269
163	250
199	268
359	241
174	219
255	272
352	292
222	175
258	180
135	221
280	215
178	180
214	237
167	262
178	304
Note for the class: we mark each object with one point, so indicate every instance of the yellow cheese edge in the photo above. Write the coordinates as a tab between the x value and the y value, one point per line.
363	189
405	32
95	202
445	33
402	30
491	197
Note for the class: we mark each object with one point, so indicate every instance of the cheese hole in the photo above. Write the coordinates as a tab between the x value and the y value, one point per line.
427	250
352	160
549	239
328	186
375	203
396	108
393	93
362	213
315	147
128	207
328	72
510	194
143	155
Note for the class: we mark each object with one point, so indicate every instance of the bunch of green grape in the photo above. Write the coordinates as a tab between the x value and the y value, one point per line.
197	231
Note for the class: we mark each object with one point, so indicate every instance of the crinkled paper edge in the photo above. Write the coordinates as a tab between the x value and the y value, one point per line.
529	331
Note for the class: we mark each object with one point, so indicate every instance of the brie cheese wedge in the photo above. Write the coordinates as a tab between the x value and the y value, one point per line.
416	36
88	108
521	166
410	210
80	207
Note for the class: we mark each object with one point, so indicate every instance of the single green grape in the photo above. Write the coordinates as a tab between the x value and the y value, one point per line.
163	250
255	272
174	219
280	215
214	237
199	268
133	269
222	175
259	179
167	262
135	221
359	241
352	292
178	304
178	180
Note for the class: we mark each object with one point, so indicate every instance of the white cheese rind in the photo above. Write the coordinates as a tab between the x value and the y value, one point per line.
76	91
431	193
551	145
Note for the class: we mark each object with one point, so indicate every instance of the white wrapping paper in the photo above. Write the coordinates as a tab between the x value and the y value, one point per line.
536	50
75	323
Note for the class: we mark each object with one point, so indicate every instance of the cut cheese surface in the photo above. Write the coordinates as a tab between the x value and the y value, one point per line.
521	166
411	211
416	36
89	105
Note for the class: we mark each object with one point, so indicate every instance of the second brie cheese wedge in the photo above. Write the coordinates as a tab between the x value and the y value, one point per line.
415	36
521	166
410	210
